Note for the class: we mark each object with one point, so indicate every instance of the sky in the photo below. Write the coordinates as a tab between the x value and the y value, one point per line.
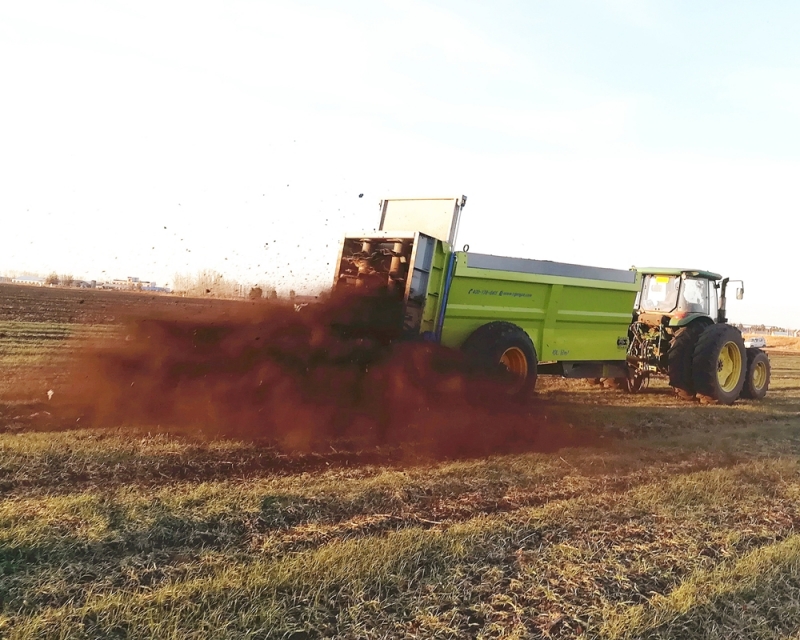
153	138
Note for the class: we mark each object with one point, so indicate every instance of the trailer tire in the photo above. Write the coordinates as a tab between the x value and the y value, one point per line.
756	380
719	364
679	358
504	348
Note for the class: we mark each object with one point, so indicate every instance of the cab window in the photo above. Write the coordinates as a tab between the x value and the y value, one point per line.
659	293
694	296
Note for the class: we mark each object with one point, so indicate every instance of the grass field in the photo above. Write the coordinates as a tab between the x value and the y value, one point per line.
679	521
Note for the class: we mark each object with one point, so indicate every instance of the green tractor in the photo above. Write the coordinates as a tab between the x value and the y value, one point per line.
680	330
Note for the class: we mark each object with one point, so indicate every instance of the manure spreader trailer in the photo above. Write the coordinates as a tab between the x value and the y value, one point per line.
528	317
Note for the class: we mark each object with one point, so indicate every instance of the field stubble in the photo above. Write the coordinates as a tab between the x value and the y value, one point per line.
666	520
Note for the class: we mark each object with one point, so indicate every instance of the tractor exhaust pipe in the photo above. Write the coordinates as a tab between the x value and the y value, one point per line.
723	301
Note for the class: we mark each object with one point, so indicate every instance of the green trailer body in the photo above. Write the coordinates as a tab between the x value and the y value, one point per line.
572	313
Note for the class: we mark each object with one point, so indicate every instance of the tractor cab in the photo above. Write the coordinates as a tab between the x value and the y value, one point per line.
679	296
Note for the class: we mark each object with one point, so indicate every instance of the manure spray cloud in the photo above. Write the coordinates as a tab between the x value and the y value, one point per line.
332	373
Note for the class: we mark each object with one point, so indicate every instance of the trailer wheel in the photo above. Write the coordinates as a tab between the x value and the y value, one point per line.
679	358
505	349
756	380
719	364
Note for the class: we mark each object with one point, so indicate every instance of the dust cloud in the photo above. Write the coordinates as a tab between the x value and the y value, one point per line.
331	374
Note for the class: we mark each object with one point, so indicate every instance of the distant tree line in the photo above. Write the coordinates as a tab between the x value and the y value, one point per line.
210	283
64	280
758	328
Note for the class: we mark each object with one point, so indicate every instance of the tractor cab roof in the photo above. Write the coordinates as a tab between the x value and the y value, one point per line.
697	273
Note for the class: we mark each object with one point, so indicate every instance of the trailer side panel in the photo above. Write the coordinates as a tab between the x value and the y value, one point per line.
570	312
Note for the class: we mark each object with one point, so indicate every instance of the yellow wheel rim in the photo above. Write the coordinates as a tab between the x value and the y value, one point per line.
759	375
729	366
515	361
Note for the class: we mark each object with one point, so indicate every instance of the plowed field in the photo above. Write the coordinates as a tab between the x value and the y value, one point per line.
587	514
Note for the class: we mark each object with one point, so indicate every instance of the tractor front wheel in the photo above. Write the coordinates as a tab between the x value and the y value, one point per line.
719	364
756	381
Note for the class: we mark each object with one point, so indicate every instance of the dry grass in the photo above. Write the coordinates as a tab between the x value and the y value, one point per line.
681	523
104	533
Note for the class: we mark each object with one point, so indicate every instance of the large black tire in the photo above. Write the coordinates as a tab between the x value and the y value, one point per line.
719	364
756	381
679	358
504	350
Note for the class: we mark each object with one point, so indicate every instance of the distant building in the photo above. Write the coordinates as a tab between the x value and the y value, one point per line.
29	280
131	283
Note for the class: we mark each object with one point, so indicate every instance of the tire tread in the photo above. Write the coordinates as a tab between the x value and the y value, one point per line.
704	363
748	391
679	358
483	345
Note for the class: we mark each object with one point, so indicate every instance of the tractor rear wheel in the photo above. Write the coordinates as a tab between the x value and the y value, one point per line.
756	381
719	364
504	349
679	358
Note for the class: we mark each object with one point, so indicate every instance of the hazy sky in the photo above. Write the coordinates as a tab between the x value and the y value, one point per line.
149	138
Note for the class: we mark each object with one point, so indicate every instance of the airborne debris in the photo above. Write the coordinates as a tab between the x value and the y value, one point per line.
329	372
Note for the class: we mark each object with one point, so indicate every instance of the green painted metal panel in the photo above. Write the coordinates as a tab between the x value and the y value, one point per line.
435	287
567	318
